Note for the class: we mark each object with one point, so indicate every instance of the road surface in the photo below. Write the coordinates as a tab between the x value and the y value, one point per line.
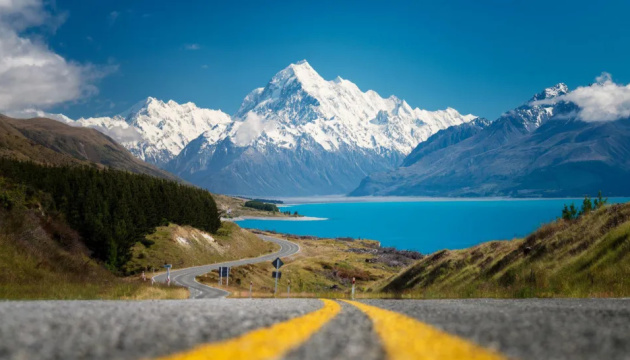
186	277
316	329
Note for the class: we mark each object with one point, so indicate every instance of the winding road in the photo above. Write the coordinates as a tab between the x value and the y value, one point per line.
186	277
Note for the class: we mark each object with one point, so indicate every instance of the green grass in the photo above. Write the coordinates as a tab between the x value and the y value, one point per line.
588	257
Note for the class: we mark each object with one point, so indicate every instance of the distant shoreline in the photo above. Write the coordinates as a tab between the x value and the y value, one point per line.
290	201
277	218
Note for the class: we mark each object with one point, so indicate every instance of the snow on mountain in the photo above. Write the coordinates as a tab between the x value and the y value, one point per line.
298	102
534	113
156	131
538	149
301	134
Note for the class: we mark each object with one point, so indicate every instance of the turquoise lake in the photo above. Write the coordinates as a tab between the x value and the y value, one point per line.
426	225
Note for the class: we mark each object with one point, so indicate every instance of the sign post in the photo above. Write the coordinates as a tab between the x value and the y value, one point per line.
168	273
276	274
353	281
224	272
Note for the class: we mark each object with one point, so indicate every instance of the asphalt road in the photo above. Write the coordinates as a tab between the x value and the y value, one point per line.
186	277
524	329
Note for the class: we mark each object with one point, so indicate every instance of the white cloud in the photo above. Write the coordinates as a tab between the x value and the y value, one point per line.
31	74
192	47
602	101
249	129
121	133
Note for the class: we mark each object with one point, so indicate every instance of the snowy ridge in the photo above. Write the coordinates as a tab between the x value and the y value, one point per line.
156	131
298	102
533	113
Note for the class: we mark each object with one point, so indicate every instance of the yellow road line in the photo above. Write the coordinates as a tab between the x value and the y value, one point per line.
407	338
267	343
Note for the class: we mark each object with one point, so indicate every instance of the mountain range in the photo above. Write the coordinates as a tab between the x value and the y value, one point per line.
297	135
301	135
540	149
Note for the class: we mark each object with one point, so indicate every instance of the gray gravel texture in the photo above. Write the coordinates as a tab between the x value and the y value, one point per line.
531	328
132	329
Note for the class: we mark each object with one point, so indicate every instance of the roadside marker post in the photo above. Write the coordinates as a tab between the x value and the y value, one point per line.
353	281
289	288
250	289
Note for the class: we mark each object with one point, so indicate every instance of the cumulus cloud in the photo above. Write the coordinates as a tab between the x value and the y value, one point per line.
602	101
31	74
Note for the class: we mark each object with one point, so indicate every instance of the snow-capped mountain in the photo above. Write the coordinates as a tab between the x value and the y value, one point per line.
156	131
303	135
538	149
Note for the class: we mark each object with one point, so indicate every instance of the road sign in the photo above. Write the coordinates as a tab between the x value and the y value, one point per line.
224	271
277	263
168	266
276	274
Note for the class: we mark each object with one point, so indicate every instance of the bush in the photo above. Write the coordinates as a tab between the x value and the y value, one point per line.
255	204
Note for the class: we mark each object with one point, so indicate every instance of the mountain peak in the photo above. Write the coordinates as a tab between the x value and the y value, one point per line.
552	92
301	71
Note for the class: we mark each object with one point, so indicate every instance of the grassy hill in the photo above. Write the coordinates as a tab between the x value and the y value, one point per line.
51	142
185	246
41	257
587	257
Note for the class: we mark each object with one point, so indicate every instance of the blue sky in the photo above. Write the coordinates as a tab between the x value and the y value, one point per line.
481	57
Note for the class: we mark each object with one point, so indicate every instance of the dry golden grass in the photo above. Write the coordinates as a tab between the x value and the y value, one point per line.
323	268
186	246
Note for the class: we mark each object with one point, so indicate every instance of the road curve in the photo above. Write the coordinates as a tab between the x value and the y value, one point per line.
186	277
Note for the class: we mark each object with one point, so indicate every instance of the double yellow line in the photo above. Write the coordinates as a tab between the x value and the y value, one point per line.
402	338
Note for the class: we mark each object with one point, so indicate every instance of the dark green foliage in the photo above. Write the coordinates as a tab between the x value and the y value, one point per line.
587	206
255	204
571	213
113	210
600	201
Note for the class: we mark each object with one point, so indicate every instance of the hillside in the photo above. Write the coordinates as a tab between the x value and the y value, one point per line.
323	267
112	210
51	142
588	257
42	257
185	246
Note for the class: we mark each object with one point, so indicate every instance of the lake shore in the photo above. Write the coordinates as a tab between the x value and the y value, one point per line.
275	218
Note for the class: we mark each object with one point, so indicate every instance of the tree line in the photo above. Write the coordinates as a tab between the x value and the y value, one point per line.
112	210
255	204
571	212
